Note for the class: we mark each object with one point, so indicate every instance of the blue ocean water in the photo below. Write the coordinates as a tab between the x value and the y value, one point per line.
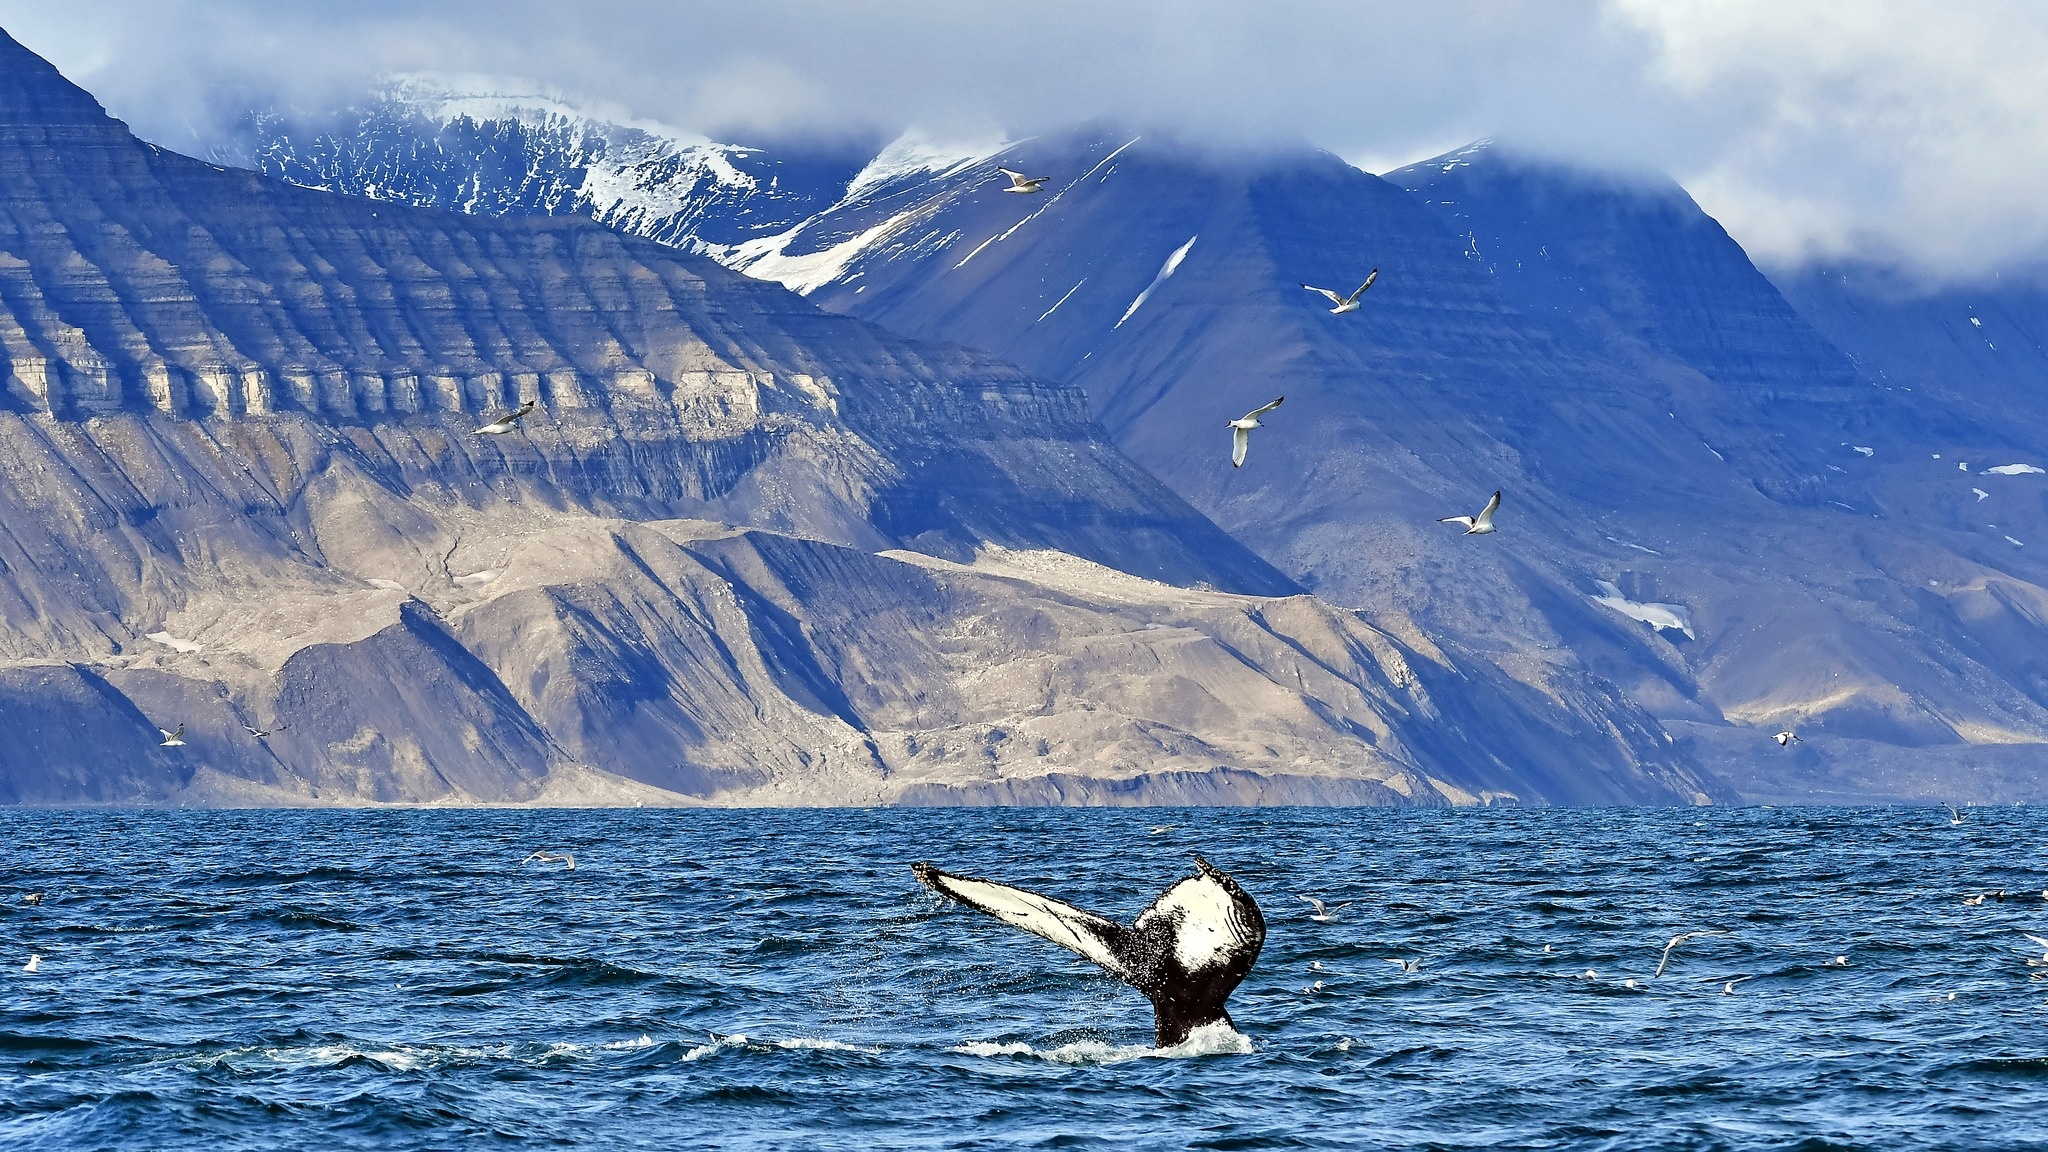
777	979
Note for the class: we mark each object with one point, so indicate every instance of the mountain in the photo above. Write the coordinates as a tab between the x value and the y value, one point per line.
746	551
1976	349
1677	443
496	151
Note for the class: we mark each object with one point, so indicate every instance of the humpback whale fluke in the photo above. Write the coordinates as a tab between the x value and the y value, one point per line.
1186	953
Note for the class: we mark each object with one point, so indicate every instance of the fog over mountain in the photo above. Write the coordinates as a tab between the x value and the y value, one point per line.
1890	131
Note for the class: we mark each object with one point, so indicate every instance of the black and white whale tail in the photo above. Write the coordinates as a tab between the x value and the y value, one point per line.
1186	953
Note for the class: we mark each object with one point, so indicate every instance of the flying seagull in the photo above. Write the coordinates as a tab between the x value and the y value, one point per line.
1954	817
1323	915
2040	942
173	739
1345	303
1786	737
552	858
1241	431
505	421
1405	965
1019	182
1477	525
260	733
1728	989
1681	938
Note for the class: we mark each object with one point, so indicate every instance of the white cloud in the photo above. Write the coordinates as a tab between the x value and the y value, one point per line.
1877	128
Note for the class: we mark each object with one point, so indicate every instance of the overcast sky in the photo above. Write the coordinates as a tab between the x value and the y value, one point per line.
1913	132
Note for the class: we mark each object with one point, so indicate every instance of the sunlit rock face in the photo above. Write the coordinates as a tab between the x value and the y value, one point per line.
744	551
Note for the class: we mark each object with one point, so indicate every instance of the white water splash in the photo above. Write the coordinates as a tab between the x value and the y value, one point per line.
1218	1039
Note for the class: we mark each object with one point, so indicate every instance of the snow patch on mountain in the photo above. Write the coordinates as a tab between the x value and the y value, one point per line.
1675	617
1166	272
915	156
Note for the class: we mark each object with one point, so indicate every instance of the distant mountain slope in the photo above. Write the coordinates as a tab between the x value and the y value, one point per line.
1980	349
1667	428
491	153
745	551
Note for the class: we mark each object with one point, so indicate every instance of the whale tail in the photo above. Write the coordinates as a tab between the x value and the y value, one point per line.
1186	953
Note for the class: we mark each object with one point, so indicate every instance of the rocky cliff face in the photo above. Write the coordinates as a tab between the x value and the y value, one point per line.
745	551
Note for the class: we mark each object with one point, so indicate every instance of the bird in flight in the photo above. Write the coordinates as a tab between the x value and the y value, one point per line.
1241	431
1787	737
2042	942
1954	816
1323	914
1681	938
260	733
1405	965
552	858
505	422
1728	989
1019	182
1478	525
173	739
1345	303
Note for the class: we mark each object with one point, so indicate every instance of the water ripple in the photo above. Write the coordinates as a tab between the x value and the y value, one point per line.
769	980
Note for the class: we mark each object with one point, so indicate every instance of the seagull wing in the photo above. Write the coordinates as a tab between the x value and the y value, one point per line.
1465	520
1370	277
167	734
1240	439
1666	958
1093	937
2036	939
1017	179
1332	297
1263	409
1314	901
1485	519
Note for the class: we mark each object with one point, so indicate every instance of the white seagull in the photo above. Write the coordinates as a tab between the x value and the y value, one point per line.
2043	943
505	421
552	858
1406	965
1241	431
1681	938
1019	182
1786	737
1478	525
1837	962
1323	915
173	739
1345	303
34	962
1312	989
1728	989
260	733
1954	816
